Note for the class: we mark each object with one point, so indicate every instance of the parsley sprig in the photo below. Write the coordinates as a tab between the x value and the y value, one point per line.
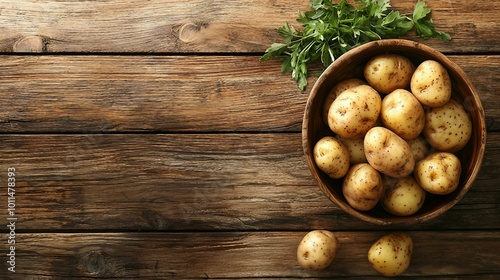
330	29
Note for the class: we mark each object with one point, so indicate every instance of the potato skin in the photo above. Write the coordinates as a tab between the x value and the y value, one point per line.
388	72
317	249
431	84
362	187
331	157
391	254
354	112
438	173
402	197
403	114
448	128
419	147
356	149
336	91
388	153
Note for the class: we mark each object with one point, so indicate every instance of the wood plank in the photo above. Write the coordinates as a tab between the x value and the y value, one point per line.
122	93
122	182
201	26
98	94
241	255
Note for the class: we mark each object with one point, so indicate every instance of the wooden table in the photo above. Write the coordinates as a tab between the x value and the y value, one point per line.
148	142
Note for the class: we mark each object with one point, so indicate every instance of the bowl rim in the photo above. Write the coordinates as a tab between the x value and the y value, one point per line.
346	57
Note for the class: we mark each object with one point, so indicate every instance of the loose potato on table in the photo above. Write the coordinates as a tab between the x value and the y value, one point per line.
402	197
448	128
403	114
362	187
336	91
331	157
438	173
431	84
391	254
388	72
354	112
388	153
317	249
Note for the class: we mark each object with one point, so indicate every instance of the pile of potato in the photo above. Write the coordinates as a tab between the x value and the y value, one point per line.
394	138
396	133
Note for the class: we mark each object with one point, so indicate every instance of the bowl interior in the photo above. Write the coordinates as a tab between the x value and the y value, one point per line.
350	65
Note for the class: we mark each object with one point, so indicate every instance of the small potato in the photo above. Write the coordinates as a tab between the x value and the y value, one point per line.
388	72
356	149
362	187
419	147
336	91
331	157
402	197
388	153
438	173
448	128
431	84
403	114
317	250
354	112
391	254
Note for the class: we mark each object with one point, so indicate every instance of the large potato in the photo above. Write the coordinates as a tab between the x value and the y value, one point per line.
388	72
448	128
336	91
354	112
438	173
402	197
431	84
403	114
331	157
317	249
391	254
388	153
356	149
362	187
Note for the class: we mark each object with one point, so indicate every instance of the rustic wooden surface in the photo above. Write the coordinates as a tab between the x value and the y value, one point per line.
150	143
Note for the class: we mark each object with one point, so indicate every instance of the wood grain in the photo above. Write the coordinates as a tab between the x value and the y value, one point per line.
99	94
188	255
204	26
150	143
193	182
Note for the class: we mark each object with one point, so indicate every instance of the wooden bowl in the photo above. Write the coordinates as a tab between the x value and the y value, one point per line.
350	65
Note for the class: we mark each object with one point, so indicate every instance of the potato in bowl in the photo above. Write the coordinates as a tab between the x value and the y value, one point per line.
351	66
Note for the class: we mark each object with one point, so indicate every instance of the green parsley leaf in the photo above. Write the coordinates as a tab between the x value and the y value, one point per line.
420	11
424	26
330	29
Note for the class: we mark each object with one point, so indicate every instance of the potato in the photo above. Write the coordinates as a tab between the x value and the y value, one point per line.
354	112
431	84
388	153
331	157
362	187
317	249
438	173
403	114
448	128
391	254
356	149
388	72
402	197
336	91
420	148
